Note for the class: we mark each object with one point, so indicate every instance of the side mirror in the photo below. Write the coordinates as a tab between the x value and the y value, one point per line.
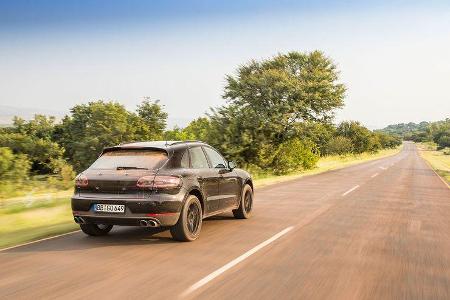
231	165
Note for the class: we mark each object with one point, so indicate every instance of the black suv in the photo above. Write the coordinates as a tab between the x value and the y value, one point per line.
160	184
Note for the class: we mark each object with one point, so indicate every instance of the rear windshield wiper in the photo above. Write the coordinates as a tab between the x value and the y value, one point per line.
130	168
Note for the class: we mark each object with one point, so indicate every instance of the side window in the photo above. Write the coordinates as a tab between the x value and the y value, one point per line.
198	158
215	158
185	160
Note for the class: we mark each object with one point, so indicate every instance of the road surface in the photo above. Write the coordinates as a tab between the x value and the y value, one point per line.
378	230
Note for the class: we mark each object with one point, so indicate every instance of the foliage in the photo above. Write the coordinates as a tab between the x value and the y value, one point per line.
358	134
277	118
339	145
441	133
96	125
272	101
154	116
438	132
294	155
13	167
34	139
407	131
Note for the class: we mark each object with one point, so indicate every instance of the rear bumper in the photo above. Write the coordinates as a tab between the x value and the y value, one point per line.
162	208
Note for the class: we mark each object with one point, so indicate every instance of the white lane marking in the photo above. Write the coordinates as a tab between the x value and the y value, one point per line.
41	240
382	168
374	175
234	262
350	190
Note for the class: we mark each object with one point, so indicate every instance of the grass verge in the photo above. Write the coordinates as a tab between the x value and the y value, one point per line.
35	223
438	160
324	164
24	219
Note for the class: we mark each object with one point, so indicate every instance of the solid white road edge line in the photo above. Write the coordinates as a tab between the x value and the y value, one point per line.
350	190
374	175
234	262
41	240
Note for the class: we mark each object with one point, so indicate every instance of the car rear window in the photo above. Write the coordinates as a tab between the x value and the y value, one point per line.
130	159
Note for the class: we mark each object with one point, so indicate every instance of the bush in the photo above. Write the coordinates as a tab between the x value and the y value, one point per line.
339	145
63	174
443	142
294	155
13	167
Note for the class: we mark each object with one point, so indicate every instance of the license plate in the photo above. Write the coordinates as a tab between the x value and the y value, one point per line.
111	208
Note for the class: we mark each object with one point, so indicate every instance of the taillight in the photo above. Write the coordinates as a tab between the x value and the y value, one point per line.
167	182
145	182
81	180
159	182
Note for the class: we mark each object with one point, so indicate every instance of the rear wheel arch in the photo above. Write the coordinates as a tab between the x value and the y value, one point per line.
199	196
249	182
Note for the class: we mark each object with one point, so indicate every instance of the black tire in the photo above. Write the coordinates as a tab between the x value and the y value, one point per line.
189	224
246	206
96	229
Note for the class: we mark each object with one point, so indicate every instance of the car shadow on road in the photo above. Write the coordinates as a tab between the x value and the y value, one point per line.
119	236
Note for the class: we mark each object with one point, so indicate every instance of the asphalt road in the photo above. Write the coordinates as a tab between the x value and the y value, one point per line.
378	230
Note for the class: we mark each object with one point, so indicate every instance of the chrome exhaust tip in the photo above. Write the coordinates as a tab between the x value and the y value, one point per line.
79	220
143	223
152	223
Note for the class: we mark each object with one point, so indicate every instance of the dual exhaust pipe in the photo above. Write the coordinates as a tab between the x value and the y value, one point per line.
148	223
79	220
142	223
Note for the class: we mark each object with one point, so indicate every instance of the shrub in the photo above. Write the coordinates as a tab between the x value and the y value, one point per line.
443	142
64	173
339	145
294	155
13	166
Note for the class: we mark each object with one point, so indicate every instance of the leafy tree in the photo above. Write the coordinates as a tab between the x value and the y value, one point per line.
99	124
40	127
358	134
441	133
294	155
154	116
13	166
339	145
268	99
388	140
33	138
198	129
178	134
316	132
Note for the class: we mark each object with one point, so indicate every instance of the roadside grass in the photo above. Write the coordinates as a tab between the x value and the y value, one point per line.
438	160
327	163
35	223
34	186
27	218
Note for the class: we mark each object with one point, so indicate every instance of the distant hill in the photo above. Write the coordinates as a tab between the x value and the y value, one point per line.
405	130
8	112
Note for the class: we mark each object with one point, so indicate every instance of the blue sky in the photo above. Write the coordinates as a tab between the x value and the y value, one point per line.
393	55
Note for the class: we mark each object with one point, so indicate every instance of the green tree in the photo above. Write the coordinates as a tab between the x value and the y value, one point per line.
441	133
339	145
99	124
266	100
13	166
358	134
198	129
34	139
294	155
154	116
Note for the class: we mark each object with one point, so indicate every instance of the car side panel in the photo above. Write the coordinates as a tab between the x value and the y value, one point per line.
229	189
